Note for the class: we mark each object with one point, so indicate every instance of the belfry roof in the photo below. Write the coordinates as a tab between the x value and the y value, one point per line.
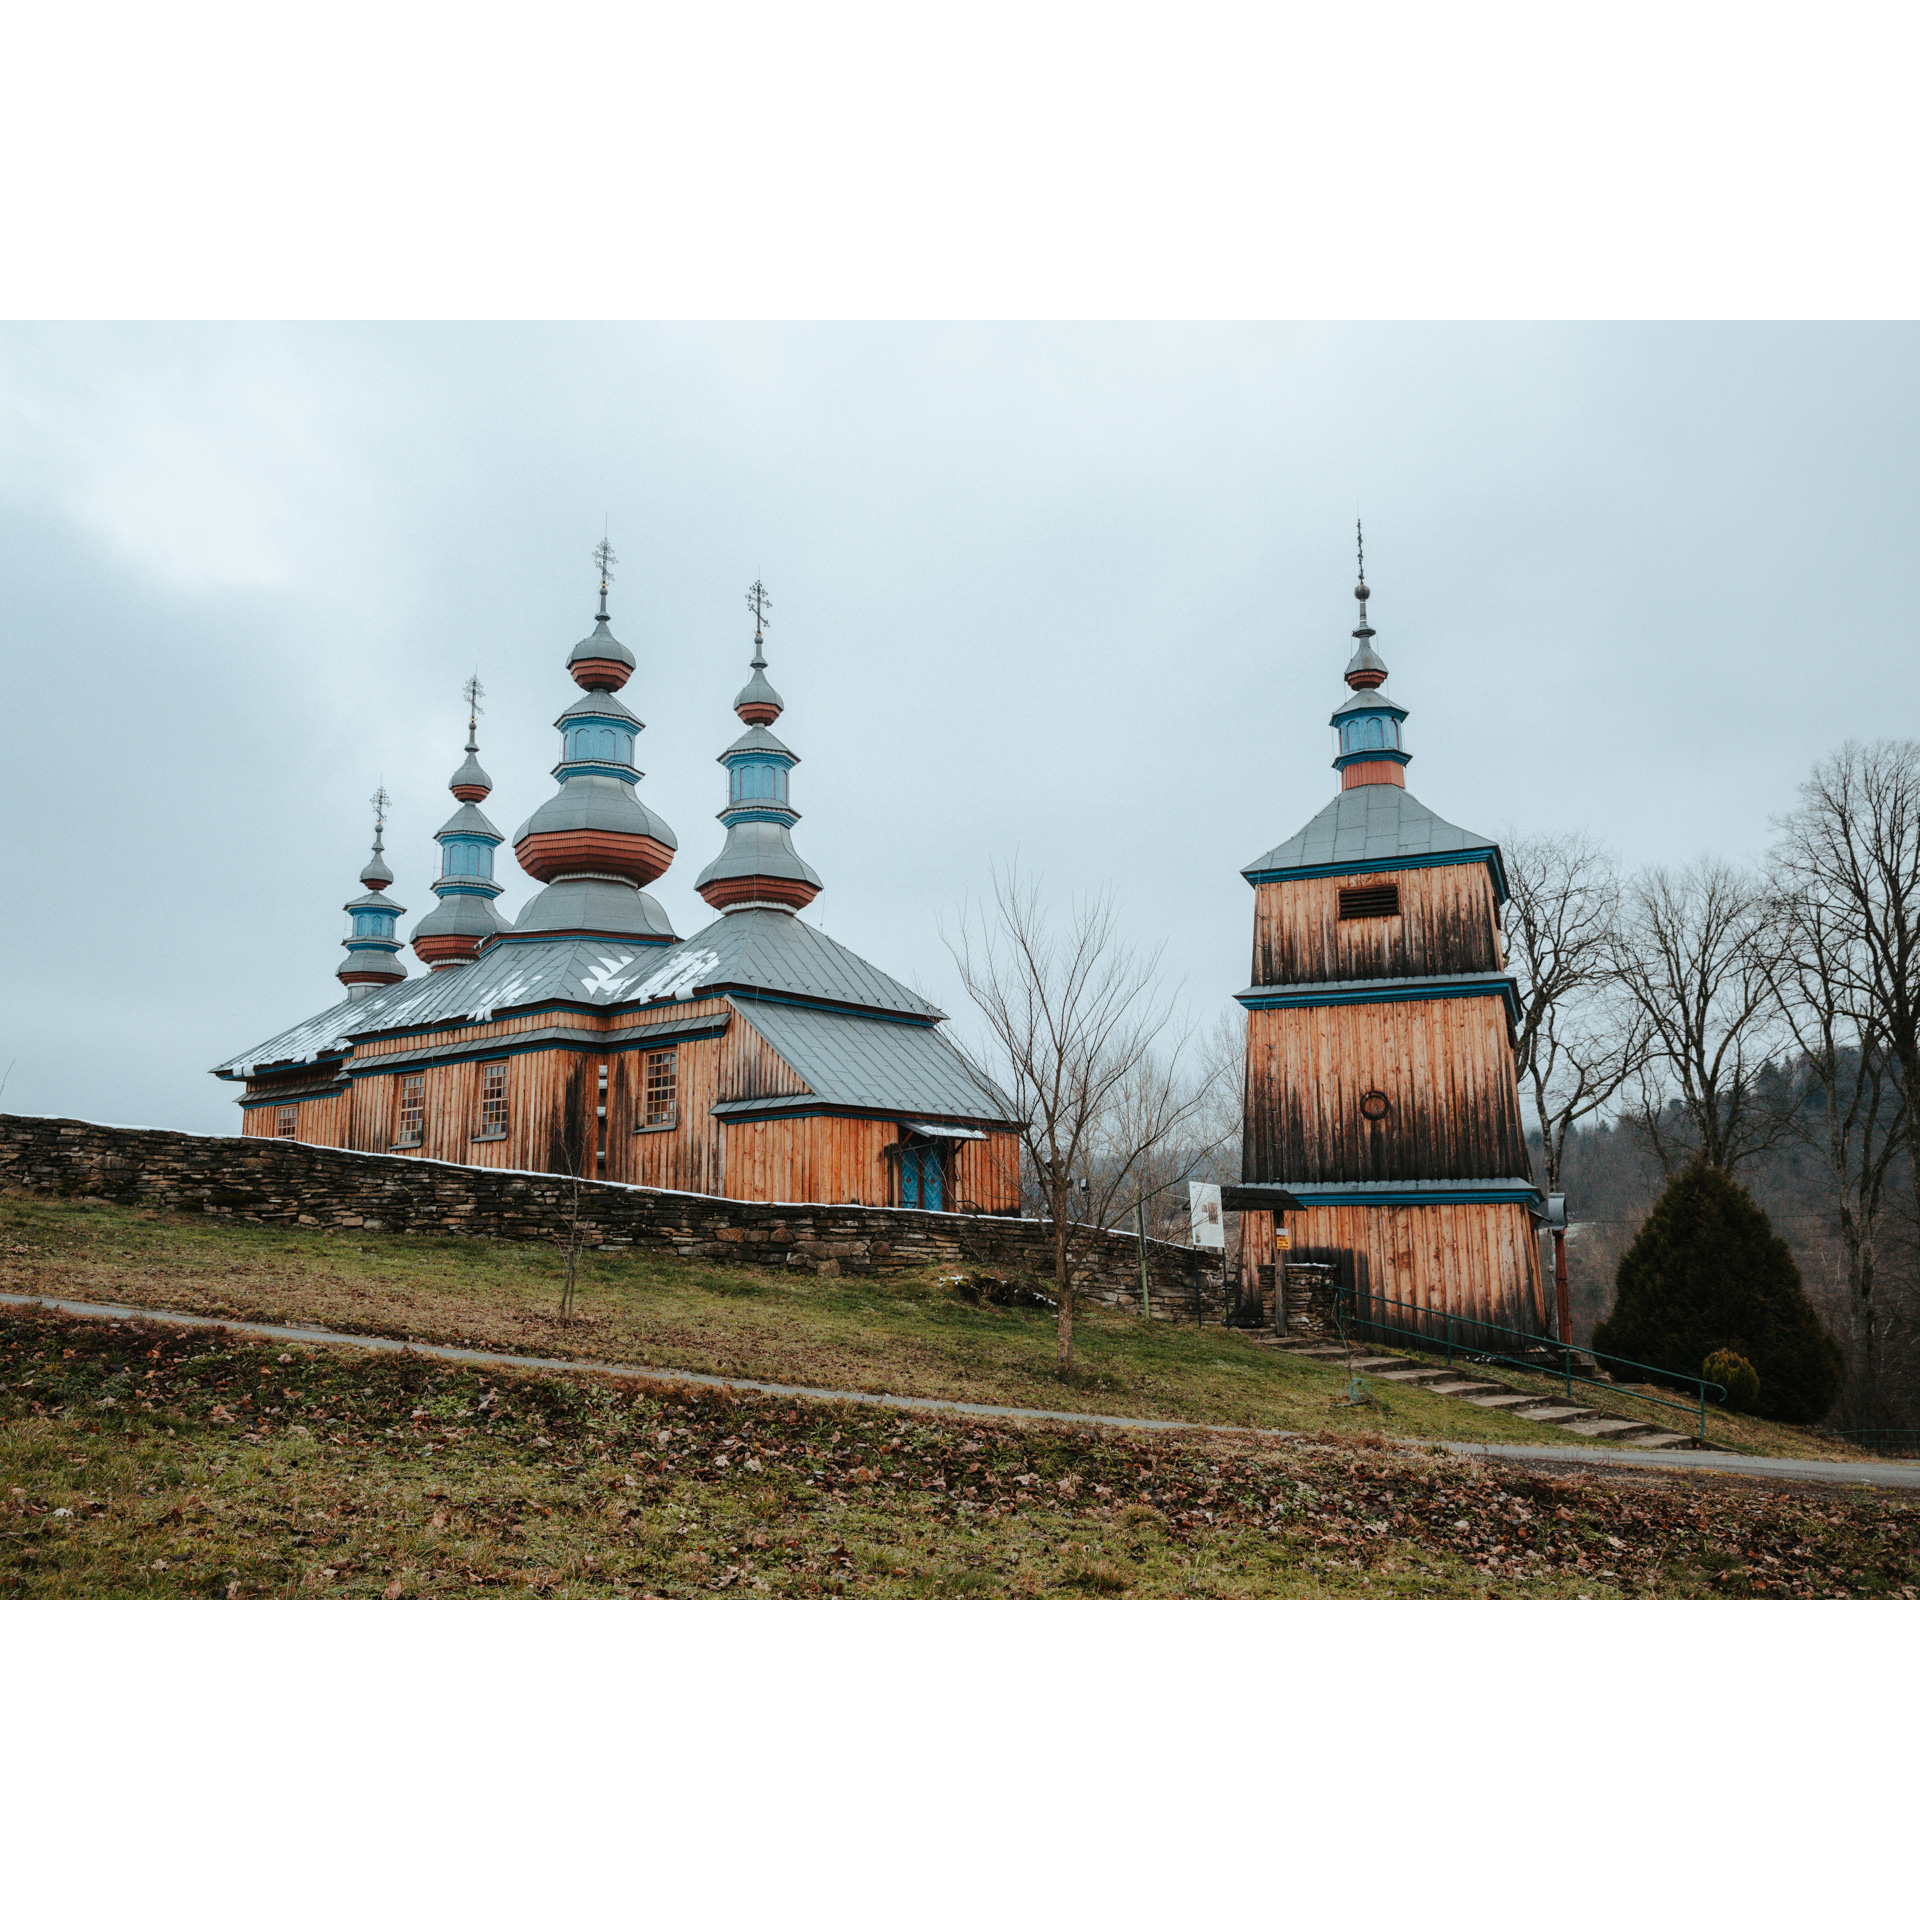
1372	826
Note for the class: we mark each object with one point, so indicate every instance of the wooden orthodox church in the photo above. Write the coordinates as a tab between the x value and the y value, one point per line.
759	1059
1382	1127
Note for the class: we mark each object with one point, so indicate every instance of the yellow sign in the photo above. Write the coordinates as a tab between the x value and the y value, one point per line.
1283	1237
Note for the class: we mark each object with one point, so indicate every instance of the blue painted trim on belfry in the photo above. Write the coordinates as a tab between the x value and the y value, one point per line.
1399	863
1359	754
1268	999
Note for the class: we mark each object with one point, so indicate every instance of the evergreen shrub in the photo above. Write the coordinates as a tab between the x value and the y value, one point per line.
1734	1371
1707	1272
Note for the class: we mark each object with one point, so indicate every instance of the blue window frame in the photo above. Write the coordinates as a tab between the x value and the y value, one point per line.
600	743
923	1180
759	780
468	859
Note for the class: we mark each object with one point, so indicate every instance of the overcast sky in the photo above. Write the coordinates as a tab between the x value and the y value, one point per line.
1079	594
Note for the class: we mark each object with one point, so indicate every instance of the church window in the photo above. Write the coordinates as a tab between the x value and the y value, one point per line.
412	1128
493	1100
1375	737
1370	903
469	859
286	1122
663	1088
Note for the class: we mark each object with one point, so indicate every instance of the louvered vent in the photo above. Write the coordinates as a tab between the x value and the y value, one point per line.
1369	903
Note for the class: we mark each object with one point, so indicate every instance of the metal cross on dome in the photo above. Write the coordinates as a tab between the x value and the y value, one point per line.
381	804
759	600
605	559
475	693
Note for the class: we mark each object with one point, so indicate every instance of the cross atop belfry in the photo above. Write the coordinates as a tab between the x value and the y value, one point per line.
380	803
475	692
759	600
605	559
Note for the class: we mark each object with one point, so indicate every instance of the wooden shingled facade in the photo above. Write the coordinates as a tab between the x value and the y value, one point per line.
1383	1131
627	1097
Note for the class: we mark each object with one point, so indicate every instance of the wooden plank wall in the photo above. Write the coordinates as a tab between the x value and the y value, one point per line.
1445	1065
553	1094
1449	922
1479	1261
826	1157
986	1175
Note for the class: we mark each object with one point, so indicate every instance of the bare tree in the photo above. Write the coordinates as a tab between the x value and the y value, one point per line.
1169	1123
1854	844
1697	951
568	1145
1086	1037
1856	1116
1581	1037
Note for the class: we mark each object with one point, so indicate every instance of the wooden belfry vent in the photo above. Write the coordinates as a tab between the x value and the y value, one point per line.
1383	1119
1369	903
759	1059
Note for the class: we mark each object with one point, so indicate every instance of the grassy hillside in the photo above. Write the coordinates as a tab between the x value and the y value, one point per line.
144	1462
899	1334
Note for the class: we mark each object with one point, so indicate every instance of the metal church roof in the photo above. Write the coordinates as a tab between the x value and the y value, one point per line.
1372	826
854	1060
754	951
765	950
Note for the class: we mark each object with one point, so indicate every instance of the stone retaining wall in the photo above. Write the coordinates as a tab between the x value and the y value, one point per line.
284	1183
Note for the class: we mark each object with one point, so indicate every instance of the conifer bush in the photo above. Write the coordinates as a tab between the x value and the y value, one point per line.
1707	1272
1734	1371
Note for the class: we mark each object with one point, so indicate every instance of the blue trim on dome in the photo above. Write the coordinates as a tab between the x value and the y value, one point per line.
774	816
566	770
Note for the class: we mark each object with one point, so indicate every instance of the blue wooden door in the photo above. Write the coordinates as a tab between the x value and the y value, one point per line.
921	1179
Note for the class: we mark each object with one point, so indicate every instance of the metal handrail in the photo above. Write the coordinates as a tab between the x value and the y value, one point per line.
1396	1332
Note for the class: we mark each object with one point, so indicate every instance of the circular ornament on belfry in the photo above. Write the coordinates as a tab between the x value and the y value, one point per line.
1375	1104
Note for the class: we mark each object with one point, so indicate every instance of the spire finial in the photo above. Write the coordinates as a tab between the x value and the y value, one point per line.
1362	592
605	559
759	600
382	805
475	693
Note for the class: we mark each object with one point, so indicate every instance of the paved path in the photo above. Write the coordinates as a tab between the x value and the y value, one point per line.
1891	1474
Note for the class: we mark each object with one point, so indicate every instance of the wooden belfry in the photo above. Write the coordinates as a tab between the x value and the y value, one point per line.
1383	1123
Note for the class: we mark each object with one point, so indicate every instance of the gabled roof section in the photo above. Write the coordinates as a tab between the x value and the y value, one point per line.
884	1066
761	950
328	1033
1368	828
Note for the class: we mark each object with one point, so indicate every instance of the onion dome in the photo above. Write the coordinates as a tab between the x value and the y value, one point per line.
466	918
1367	737
758	866
600	663
373	943
594	844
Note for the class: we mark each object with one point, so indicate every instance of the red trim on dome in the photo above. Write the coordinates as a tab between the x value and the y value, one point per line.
1366	680
1373	773
736	891
758	713
600	676
638	857
436	949
372	979
471	793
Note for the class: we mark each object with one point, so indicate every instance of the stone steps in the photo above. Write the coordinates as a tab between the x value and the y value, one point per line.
1543	1408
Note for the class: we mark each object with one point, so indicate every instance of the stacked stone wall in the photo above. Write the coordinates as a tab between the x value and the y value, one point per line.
284	1183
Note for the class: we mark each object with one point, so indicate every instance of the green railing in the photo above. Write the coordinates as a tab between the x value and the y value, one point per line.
1411	1326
